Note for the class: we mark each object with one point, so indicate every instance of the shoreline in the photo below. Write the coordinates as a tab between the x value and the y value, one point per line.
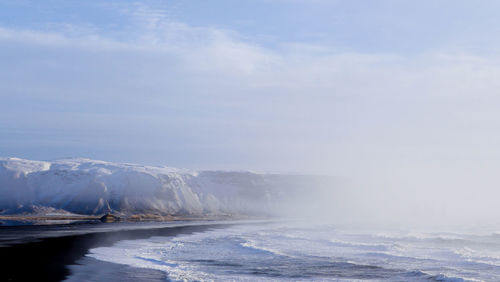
21	219
89	269
48	253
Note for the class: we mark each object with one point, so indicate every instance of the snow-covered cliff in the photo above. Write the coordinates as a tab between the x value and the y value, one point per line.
93	187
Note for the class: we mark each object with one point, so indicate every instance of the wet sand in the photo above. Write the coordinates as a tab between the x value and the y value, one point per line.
57	253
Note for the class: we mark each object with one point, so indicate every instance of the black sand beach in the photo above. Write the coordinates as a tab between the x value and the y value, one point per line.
57	253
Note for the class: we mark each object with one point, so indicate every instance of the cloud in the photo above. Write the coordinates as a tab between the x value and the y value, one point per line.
207	97
60	40
311	101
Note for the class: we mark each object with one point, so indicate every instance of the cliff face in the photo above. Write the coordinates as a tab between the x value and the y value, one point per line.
93	187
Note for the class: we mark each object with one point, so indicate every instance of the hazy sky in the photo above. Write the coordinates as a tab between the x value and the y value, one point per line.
371	89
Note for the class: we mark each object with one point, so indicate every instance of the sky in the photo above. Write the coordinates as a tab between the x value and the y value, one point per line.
398	99
394	92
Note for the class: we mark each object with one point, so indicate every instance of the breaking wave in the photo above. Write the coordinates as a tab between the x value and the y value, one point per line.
292	252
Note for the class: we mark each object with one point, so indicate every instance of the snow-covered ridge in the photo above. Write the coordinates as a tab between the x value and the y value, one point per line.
92	187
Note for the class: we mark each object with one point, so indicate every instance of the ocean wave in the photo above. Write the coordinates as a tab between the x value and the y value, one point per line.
444	278
280	252
253	245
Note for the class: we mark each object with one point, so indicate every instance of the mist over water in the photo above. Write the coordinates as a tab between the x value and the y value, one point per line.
371	128
401	112
441	198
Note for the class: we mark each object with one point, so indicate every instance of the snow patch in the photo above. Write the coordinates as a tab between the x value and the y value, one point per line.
88	186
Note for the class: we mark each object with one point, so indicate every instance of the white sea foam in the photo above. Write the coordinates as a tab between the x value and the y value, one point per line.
292	252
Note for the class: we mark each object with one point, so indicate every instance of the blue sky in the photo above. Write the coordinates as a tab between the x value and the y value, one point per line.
347	88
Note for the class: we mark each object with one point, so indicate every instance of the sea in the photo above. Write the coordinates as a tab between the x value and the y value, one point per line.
302	251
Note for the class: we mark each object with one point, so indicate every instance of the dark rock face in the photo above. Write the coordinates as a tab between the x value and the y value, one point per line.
109	218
